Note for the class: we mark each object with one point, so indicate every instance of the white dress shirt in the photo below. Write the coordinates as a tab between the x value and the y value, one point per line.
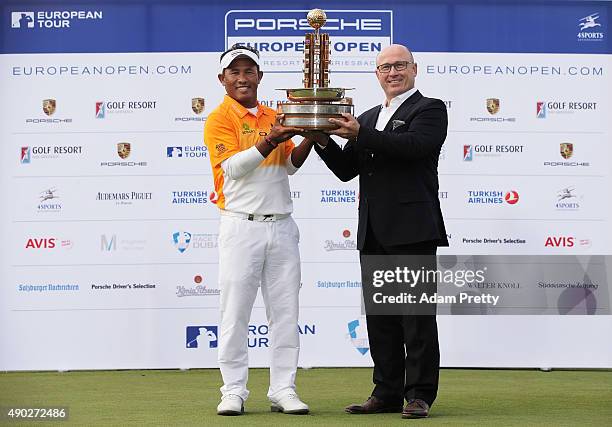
386	112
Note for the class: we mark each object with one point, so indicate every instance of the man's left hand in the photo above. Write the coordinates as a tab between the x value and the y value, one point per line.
348	127
319	137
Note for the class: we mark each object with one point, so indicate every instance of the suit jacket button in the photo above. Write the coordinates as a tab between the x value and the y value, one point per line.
370	173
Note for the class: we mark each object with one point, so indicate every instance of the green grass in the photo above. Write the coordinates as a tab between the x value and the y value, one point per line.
466	397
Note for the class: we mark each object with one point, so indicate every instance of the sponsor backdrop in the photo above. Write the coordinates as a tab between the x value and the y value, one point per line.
109	224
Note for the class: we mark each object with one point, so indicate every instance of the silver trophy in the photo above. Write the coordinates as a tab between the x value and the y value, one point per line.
310	107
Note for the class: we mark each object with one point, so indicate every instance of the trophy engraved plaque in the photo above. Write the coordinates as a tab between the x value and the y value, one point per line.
310	107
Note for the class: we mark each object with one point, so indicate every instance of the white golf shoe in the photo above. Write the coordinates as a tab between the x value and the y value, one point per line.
290	404
231	404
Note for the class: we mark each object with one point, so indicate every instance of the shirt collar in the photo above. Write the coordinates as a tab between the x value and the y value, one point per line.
241	111
399	99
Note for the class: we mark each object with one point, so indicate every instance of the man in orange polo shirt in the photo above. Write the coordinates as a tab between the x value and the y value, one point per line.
251	155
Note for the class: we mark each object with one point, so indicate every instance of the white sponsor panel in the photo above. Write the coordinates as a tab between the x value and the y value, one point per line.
79	215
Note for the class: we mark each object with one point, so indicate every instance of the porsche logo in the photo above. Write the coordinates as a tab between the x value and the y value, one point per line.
197	105
493	105
566	149
49	106
123	149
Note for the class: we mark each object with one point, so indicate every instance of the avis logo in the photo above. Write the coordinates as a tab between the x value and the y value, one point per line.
48	243
566	242
559	242
201	337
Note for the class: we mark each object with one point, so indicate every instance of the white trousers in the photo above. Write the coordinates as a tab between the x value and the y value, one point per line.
253	254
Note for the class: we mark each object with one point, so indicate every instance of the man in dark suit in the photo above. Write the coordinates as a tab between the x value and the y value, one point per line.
394	148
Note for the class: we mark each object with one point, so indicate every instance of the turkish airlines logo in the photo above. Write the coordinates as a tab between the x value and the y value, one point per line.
511	197
213	197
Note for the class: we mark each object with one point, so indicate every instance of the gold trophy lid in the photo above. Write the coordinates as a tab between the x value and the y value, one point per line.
316	18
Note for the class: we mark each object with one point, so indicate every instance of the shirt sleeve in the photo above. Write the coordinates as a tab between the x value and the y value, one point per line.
289	146
238	165
220	139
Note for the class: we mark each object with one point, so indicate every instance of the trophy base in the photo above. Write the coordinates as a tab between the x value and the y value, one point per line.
312	115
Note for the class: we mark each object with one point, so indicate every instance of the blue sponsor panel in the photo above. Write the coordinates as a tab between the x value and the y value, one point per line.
293	23
196	26
356	37
64	27
157	26
570	27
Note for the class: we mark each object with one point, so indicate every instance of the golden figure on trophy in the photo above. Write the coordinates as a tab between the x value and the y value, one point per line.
310	107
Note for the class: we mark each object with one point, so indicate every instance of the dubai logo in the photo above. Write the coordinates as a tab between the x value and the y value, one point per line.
49	106
493	105
124	149
181	240
566	149
197	105
358	335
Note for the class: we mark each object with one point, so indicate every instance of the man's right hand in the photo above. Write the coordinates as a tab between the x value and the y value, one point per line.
280	133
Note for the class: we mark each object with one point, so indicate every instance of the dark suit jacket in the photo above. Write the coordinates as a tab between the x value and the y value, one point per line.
398	172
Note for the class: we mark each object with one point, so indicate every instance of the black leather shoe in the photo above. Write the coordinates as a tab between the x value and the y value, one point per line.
416	408
373	405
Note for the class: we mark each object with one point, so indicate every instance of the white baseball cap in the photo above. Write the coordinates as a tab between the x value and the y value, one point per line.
237	51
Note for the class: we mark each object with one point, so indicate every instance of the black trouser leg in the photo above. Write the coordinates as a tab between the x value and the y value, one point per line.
404	349
422	358
387	350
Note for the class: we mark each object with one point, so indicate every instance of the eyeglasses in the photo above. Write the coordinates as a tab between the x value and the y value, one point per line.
399	66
